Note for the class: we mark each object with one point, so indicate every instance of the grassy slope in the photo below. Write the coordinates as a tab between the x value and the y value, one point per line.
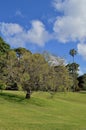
65	111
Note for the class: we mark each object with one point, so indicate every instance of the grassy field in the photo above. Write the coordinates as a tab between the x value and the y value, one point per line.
64	111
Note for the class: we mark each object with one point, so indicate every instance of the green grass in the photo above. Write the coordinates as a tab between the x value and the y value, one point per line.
64	111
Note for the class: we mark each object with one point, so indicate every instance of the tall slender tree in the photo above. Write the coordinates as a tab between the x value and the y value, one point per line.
73	52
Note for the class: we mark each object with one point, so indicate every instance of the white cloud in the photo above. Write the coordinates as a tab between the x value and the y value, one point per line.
38	33
9	29
69	29
58	5
72	8
82	49
53	60
70	26
56	61
13	33
17	36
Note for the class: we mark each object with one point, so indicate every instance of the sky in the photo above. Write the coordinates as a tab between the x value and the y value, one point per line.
56	26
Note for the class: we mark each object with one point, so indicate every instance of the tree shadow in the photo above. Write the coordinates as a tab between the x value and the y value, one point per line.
82	92
12	97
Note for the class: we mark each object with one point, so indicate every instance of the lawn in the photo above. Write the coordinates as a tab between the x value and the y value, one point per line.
63	111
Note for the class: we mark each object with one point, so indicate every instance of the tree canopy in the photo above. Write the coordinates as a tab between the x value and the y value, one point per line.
20	69
4	47
82	82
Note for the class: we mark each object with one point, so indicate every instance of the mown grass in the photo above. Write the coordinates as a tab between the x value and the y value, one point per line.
63	111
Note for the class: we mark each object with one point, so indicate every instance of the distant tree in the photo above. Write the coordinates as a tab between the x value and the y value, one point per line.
82	82
73	52
60	80
73	70
64	80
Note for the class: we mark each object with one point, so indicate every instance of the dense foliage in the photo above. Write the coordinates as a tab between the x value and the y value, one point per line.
22	70
82	82
4	47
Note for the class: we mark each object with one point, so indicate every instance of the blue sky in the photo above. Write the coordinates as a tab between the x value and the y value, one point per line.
52	25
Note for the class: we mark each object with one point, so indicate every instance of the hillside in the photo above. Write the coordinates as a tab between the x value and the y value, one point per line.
64	111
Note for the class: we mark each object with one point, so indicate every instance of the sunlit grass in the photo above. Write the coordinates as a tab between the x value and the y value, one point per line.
63	111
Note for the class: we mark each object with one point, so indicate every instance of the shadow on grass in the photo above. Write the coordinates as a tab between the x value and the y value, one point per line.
12	97
82	92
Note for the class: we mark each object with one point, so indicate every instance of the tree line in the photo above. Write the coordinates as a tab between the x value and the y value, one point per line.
20	69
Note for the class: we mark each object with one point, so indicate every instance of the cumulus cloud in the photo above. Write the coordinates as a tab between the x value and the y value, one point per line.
82	50
71	8
9	29
13	33
68	29
38	33
17	36
71	25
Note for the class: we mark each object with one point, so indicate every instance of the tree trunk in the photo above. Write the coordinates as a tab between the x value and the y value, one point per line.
28	94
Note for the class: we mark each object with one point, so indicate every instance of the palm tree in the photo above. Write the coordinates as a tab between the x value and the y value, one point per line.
73	52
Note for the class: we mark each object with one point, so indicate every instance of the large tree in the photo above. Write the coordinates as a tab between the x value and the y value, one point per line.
4	47
8	69
27	70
